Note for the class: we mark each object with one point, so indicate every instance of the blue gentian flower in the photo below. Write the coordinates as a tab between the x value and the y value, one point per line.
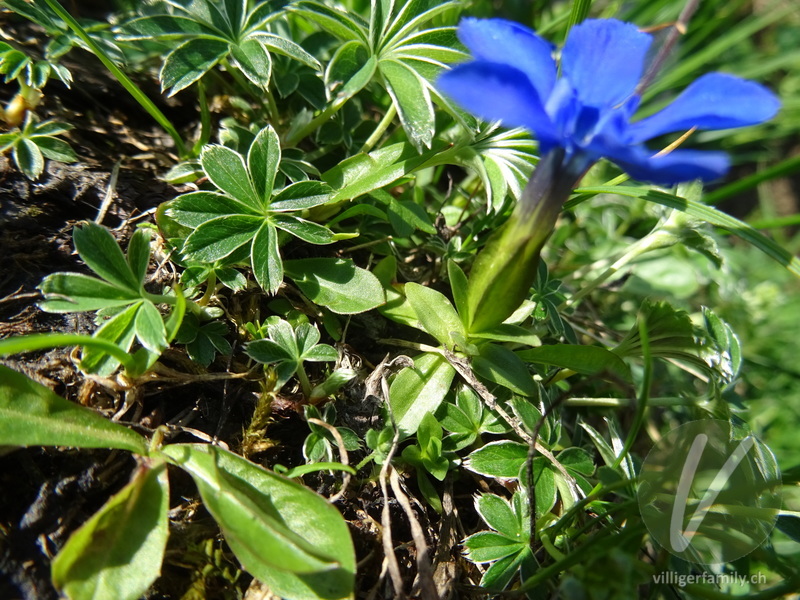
587	111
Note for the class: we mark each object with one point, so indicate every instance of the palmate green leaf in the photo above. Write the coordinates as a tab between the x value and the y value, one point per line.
138	254
436	46
501	572
150	328
28	158
75	292
420	390
498	459
268	352
226	169
189	62
364	173
120	330
55	149
265	257
487	546
283	533
119	551
410	94
99	250
205	11
345	26
281	331
195	208
235	12
50	128
165	27
33	415
287	47
263	160
350	70
499	515
435	313
301	196
308	231
336	284
307	337
220	237
253	59
546	484
409	20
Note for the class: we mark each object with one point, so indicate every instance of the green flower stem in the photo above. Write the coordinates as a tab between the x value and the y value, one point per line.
211	286
304	382
126	82
316	122
644	396
376	135
205	119
272	107
506	268
627	402
242	82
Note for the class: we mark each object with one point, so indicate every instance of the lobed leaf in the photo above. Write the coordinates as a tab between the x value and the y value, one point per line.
222	236
410	95
166	27
75	292
227	170
100	251
55	149
265	258
263	160
301	196
498	459
287	47
189	62
253	59
28	158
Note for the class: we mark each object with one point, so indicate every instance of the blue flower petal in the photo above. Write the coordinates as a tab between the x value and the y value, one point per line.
669	169
497	92
715	101
604	61
505	42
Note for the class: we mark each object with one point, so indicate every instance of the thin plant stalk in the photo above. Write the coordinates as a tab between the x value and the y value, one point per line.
126	82
205	119
376	135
